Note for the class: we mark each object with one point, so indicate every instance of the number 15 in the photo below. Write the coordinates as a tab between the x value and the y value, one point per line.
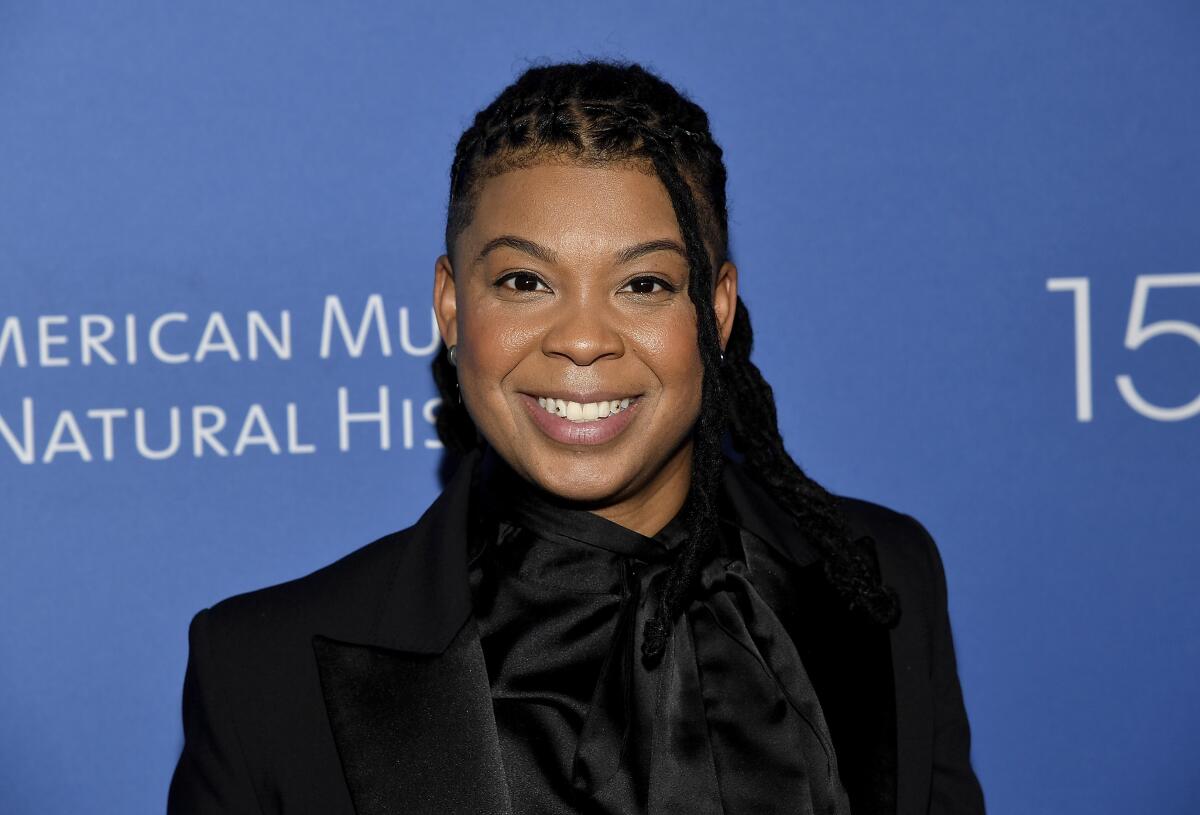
1136	334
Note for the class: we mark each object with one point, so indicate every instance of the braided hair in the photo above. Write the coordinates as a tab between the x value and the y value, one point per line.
602	112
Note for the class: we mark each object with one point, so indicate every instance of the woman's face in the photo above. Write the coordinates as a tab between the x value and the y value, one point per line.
576	340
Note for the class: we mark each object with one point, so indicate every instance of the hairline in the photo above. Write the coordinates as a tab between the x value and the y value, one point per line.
524	158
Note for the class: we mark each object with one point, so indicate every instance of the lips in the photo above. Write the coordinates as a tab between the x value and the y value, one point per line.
572	422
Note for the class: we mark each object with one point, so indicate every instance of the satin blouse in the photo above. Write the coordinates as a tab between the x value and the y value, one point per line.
728	720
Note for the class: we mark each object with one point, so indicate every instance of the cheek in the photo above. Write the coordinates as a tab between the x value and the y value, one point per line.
499	327
669	347
492	341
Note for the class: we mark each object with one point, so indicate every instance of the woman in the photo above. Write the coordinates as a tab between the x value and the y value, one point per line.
606	610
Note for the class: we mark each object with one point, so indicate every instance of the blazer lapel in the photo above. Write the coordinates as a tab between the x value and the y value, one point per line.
910	672
415	732
850	664
408	699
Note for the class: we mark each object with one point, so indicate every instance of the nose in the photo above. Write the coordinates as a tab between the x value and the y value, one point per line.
584	333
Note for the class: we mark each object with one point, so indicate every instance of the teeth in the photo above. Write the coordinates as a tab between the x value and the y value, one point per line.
585	412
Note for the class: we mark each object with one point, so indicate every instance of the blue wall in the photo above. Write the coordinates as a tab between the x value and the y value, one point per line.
907	181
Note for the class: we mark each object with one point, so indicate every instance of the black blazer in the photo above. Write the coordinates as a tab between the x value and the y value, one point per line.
361	688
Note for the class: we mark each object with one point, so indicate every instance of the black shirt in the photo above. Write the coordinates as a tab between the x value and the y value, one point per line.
727	722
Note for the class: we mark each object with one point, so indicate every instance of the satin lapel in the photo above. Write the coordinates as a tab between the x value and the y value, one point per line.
911	671
407	691
415	732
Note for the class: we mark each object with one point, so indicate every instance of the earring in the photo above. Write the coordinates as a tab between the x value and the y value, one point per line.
452	356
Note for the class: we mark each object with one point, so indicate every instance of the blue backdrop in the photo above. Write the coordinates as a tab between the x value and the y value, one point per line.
968	235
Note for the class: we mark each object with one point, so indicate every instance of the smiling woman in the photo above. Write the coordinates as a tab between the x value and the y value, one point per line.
574	290
629	598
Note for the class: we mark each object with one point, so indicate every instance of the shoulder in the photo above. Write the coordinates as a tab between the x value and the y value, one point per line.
904	536
407	576
911	564
903	547
908	557
339	596
252	653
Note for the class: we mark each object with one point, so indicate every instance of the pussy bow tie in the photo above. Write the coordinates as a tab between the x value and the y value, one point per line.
727	723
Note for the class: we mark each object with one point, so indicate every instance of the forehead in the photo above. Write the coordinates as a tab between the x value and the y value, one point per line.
574	208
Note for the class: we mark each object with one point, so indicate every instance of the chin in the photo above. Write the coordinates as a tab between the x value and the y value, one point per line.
588	481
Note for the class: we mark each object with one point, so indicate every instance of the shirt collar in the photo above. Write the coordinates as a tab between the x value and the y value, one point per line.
743	503
504	495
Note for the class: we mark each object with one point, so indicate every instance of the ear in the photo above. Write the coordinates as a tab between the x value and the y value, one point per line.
445	304
725	297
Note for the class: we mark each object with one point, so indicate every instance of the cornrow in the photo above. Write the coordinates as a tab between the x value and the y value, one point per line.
606	112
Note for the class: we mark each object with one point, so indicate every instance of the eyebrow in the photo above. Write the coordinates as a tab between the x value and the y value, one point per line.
548	255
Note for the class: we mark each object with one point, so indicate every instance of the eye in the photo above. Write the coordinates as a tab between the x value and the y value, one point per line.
522	281
648	285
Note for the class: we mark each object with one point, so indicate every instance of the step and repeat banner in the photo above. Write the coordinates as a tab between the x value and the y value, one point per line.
968	235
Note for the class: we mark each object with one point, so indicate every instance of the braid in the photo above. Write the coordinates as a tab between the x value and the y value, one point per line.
600	112
706	447
754	426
